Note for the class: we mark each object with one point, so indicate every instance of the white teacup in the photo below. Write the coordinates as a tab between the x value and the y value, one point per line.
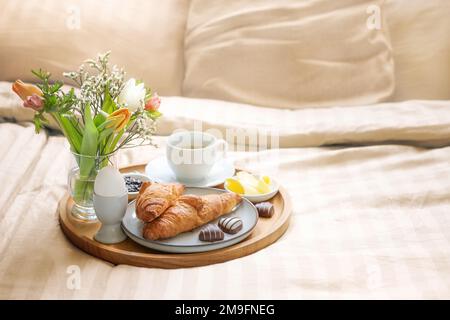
192	154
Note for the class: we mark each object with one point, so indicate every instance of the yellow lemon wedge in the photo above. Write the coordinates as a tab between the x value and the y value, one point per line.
234	185
250	190
266	179
247	178
249	184
263	187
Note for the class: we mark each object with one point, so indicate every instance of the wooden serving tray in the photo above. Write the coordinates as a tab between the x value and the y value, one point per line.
81	234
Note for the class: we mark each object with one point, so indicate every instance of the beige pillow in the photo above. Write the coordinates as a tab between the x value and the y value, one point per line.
420	35
145	37
287	53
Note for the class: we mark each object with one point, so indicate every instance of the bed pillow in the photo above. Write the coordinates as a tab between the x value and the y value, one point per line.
420	39
288	53
145	37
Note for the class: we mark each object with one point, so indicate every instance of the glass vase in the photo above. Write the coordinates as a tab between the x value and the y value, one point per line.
81	183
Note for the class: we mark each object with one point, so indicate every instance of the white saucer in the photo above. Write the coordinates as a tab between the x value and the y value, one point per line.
158	170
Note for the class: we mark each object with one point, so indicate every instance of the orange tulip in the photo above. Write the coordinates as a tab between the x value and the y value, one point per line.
119	119
25	90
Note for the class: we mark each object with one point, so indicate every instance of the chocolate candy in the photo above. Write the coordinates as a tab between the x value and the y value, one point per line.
231	225
211	233
265	209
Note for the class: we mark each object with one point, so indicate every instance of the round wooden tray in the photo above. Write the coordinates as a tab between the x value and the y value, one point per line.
81	234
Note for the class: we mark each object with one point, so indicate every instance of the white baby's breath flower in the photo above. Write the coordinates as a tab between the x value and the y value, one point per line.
71	75
145	126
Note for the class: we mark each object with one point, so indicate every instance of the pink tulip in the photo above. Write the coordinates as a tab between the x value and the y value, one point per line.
153	103
34	102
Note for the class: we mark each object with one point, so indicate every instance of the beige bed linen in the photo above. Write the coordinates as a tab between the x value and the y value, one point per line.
421	48
420	122
368	222
59	35
288	53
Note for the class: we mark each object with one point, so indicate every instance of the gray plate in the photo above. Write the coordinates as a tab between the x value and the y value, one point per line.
188	242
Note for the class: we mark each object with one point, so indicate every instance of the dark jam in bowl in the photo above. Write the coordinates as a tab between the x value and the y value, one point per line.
133	184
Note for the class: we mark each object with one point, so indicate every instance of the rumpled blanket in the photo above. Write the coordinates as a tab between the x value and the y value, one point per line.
370	188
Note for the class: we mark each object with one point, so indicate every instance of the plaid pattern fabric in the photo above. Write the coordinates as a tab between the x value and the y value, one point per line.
368	222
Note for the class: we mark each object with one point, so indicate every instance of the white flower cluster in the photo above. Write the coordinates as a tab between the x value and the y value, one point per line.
145	126
93	85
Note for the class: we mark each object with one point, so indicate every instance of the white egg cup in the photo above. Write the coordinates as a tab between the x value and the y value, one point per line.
110	211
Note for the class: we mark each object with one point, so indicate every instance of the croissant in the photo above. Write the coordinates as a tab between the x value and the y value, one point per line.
190	212
154	198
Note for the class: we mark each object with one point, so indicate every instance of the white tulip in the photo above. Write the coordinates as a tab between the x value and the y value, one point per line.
132	95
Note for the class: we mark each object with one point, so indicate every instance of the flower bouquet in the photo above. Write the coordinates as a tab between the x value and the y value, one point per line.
104	115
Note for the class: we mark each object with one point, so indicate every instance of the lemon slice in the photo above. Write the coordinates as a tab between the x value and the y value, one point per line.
234	186
263	187
247	178
252	185
250	190
266	179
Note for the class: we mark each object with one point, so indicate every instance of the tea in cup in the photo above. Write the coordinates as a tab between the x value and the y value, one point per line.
192	154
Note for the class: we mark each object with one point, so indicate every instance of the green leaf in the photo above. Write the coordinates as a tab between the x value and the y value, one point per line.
109	106
154	114
55	87
73	129
50	104
148	94
99	119
70	131
89	144
104	134
104	124
113	142
37	123
41	74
